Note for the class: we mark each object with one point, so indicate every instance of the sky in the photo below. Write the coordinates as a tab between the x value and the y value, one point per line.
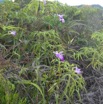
79	2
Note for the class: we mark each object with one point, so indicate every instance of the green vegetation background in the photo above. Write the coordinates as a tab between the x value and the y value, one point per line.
29	71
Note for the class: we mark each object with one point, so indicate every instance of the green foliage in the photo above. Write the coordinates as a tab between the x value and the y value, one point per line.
51	83
94	52
35	75
45	43
42	100
8	95
66	82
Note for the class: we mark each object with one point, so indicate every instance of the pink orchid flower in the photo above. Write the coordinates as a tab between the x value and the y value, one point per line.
61	18
59	55
77	70
12	33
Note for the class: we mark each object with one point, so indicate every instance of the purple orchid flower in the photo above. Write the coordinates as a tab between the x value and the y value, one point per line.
59	55
77	70
12	33
61	18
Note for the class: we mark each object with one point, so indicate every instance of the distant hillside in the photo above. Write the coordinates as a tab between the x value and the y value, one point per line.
97	6
94	5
